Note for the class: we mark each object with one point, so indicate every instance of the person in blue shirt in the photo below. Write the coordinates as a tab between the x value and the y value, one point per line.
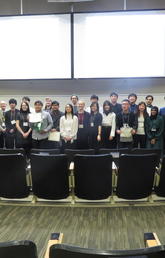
132	99
162	113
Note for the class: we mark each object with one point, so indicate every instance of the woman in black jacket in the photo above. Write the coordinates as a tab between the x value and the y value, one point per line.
95	123
23	135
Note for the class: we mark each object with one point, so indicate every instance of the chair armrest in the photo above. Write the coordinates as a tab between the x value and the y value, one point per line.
71	167
53	242
151	239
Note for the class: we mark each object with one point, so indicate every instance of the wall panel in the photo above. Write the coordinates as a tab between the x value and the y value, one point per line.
99	5
10	7
145	4
43	7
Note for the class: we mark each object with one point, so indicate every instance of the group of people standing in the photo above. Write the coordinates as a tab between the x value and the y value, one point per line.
112	125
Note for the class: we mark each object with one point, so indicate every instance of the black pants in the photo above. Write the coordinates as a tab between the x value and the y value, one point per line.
105	142
82	139
40	144
53	145
125	145
10	139
139	141
68	145
25	143
1	140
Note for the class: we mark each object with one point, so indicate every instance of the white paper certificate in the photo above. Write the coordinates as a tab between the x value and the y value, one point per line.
54	136
35	117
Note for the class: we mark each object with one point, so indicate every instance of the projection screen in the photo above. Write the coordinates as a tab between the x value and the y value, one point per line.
119	44
35	47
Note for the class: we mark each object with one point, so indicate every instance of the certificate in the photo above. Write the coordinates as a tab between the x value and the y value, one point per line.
35	117
54	136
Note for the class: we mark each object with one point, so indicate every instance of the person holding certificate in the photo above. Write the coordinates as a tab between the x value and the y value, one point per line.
41	124
68	128
54	135
126	125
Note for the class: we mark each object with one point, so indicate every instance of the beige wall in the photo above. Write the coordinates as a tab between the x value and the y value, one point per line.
64	99
80	87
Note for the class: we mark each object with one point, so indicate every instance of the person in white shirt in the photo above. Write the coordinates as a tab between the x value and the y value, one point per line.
108	126
140	136
68	128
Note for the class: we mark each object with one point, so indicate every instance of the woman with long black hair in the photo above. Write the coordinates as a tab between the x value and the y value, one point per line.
95	126
108	126
23	135
68	128
140	135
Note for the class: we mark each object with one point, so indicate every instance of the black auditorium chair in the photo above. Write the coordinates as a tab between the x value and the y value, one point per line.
13	176
45	151
148	151
160	189
18	249
49	176
72	152
108	151
12	151
135	176
68	251
93	176
115	153
124	151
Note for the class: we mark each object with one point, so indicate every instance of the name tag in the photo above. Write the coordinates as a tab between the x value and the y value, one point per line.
92	124
153	130
3	124
13	122
81	126
125	125
25	123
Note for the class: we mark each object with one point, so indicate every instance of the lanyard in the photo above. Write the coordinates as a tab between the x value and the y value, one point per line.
81	118
12	115
125	118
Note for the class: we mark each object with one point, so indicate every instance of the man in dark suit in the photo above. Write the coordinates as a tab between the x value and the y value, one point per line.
74	100
83	126
115	107
56	114
10	123
162	113
126	125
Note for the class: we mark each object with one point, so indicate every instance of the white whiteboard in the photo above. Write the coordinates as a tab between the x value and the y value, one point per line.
35	47
121	44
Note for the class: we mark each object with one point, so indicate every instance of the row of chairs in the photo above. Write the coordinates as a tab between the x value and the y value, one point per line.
91	178
28	249
71	152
